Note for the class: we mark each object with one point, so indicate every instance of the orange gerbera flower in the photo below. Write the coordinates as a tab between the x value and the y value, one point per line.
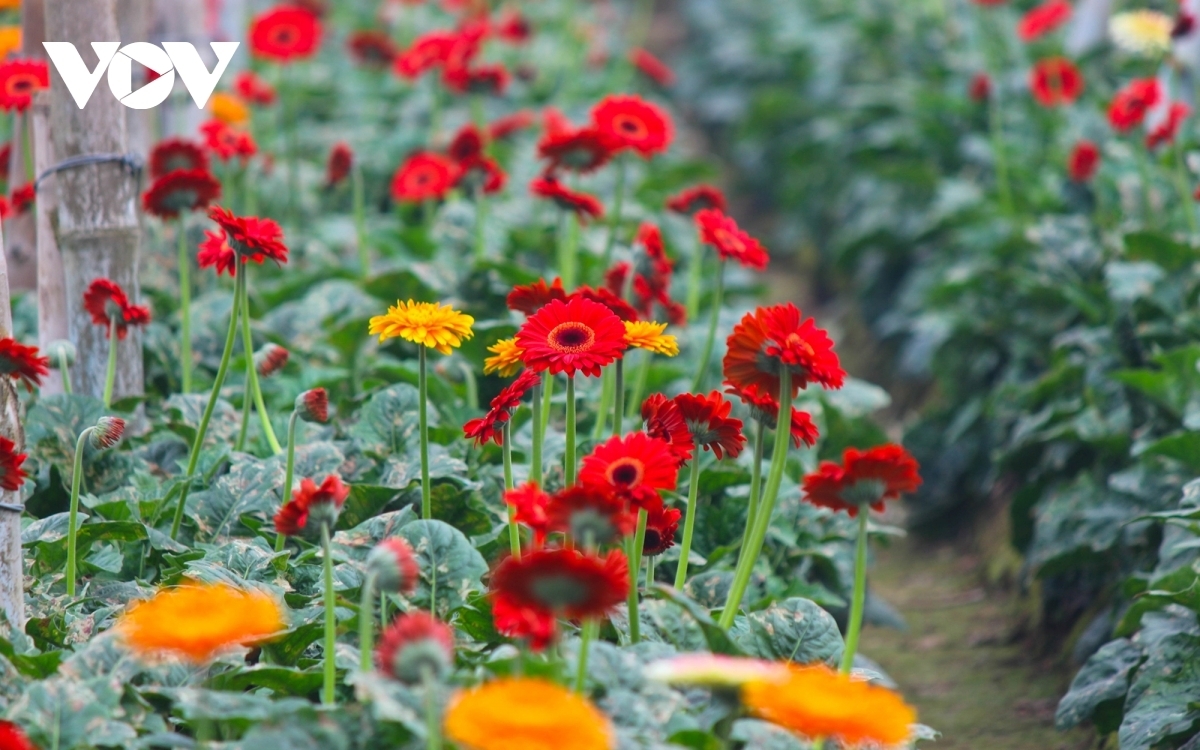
525	713
771	338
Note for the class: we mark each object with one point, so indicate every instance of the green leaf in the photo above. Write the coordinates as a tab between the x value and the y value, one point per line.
762	735
184	412
281	680
1182	446
388	423
450	565
1160	249
53	425
374	530
795	630
715	636
1160	705
1098	690
1172	383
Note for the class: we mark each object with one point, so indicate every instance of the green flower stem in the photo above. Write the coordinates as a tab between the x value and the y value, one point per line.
73	523
755	481
614	217
198	441
619	391
110	375
996	125
650	572
481	215
695	275
1143	164
65	370
588	632
762	520
606	394
327	694
535	426
568	248
185	309
569	461
470	384
433	726
634	554
639	384
689	523
706	353
288	471
423	388
1185	193
26	124
514	533
264	417
366	623
244	428
360	219
547	400
859	600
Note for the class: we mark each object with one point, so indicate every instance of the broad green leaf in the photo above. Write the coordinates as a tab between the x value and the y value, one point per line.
795	630
1161	704
762	735
1098	690
184	413
451	567
387	424
719	642
374	530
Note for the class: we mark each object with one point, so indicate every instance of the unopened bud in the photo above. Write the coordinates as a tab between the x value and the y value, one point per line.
270	359
416	645
313	405
107	432
61	350
393	565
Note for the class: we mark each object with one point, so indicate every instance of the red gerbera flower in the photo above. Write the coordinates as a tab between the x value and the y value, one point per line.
424	176
771	338
479	79
174	154
285	33
696	198
536	627
765	408
254	89
270	359
1084	160
652	67
374	49
530	298
1055	81
708	421
19	79
416	642
661	525
1165	131
467	143
590	515
1131	103
566	582
506	126
566	337
663	420
635	466
491	425
867	477
23	197
529	504
513	27
180	191
636	123
250	236
22	363
1043	19
585	206
981	87
580	150
481	174
311	506
12	738
606	297
730	242
216	252
106	302
341	160
227	142
426	52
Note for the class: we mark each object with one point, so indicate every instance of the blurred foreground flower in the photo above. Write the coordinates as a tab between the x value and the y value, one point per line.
526	714
1142	32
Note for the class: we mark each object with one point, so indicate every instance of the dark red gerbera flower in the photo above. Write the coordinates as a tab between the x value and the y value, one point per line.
22	363
12	738
864	478
23	197
618	306
481	174
635	466
663	420
227	142
1043	19
529	298
651	67
311	506
697	198
179	191
581	150
538	628
427	51
254	89
478	79
708	421
1055	81
374	49
661	526
529	504
107	433
584	205
337	168
285	33
771	338
980	89
635	123
424	176
590	515
19	79
1084	160
106	302
250	236
730	242
467	143
1164	132
509	124
578	335
216	252
652	271
491	425
416	644
175	154
1129	106
565	582
512	27
765	408
1185	23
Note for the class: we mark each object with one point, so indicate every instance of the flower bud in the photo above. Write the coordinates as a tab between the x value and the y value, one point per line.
61	350
394	567
414	645
270	359
107	432
313	405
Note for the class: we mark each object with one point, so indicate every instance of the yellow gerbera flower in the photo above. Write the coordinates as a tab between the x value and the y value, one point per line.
198	621
1141	32
228	108
526	714
10	40
429	324
816	702
507	360
648	335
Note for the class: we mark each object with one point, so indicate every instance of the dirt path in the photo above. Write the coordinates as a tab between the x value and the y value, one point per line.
959	661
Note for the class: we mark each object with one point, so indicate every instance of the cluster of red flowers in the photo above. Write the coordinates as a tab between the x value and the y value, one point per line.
428	175
227	142
109	306
455	52
490	427
652	271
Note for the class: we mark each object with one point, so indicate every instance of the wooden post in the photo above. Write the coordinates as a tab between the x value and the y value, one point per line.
51	290
12	565
20	240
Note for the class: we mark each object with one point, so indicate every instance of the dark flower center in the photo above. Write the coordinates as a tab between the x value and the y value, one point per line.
626	472
631	127
21	85
571	337
285	36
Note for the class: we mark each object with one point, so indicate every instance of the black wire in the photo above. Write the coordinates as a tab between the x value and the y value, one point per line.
131	162
12	508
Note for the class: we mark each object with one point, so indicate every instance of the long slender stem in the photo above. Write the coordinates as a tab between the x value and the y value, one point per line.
755	482
639	384
264	418
64	369
1185	194
762	521
366	623
606	393
198	441
26	124
288	472
535	454
619	398
73	522
547	401
433	728
650	572
423	388
360	219
590	626
614	217
706	353
110	374
695	275
1000	154
327	694
185	309
859	600
634	554
569	462
689	523
568	248
514	533
247	405
481	215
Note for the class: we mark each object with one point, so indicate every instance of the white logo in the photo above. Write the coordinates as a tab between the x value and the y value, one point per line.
118	61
